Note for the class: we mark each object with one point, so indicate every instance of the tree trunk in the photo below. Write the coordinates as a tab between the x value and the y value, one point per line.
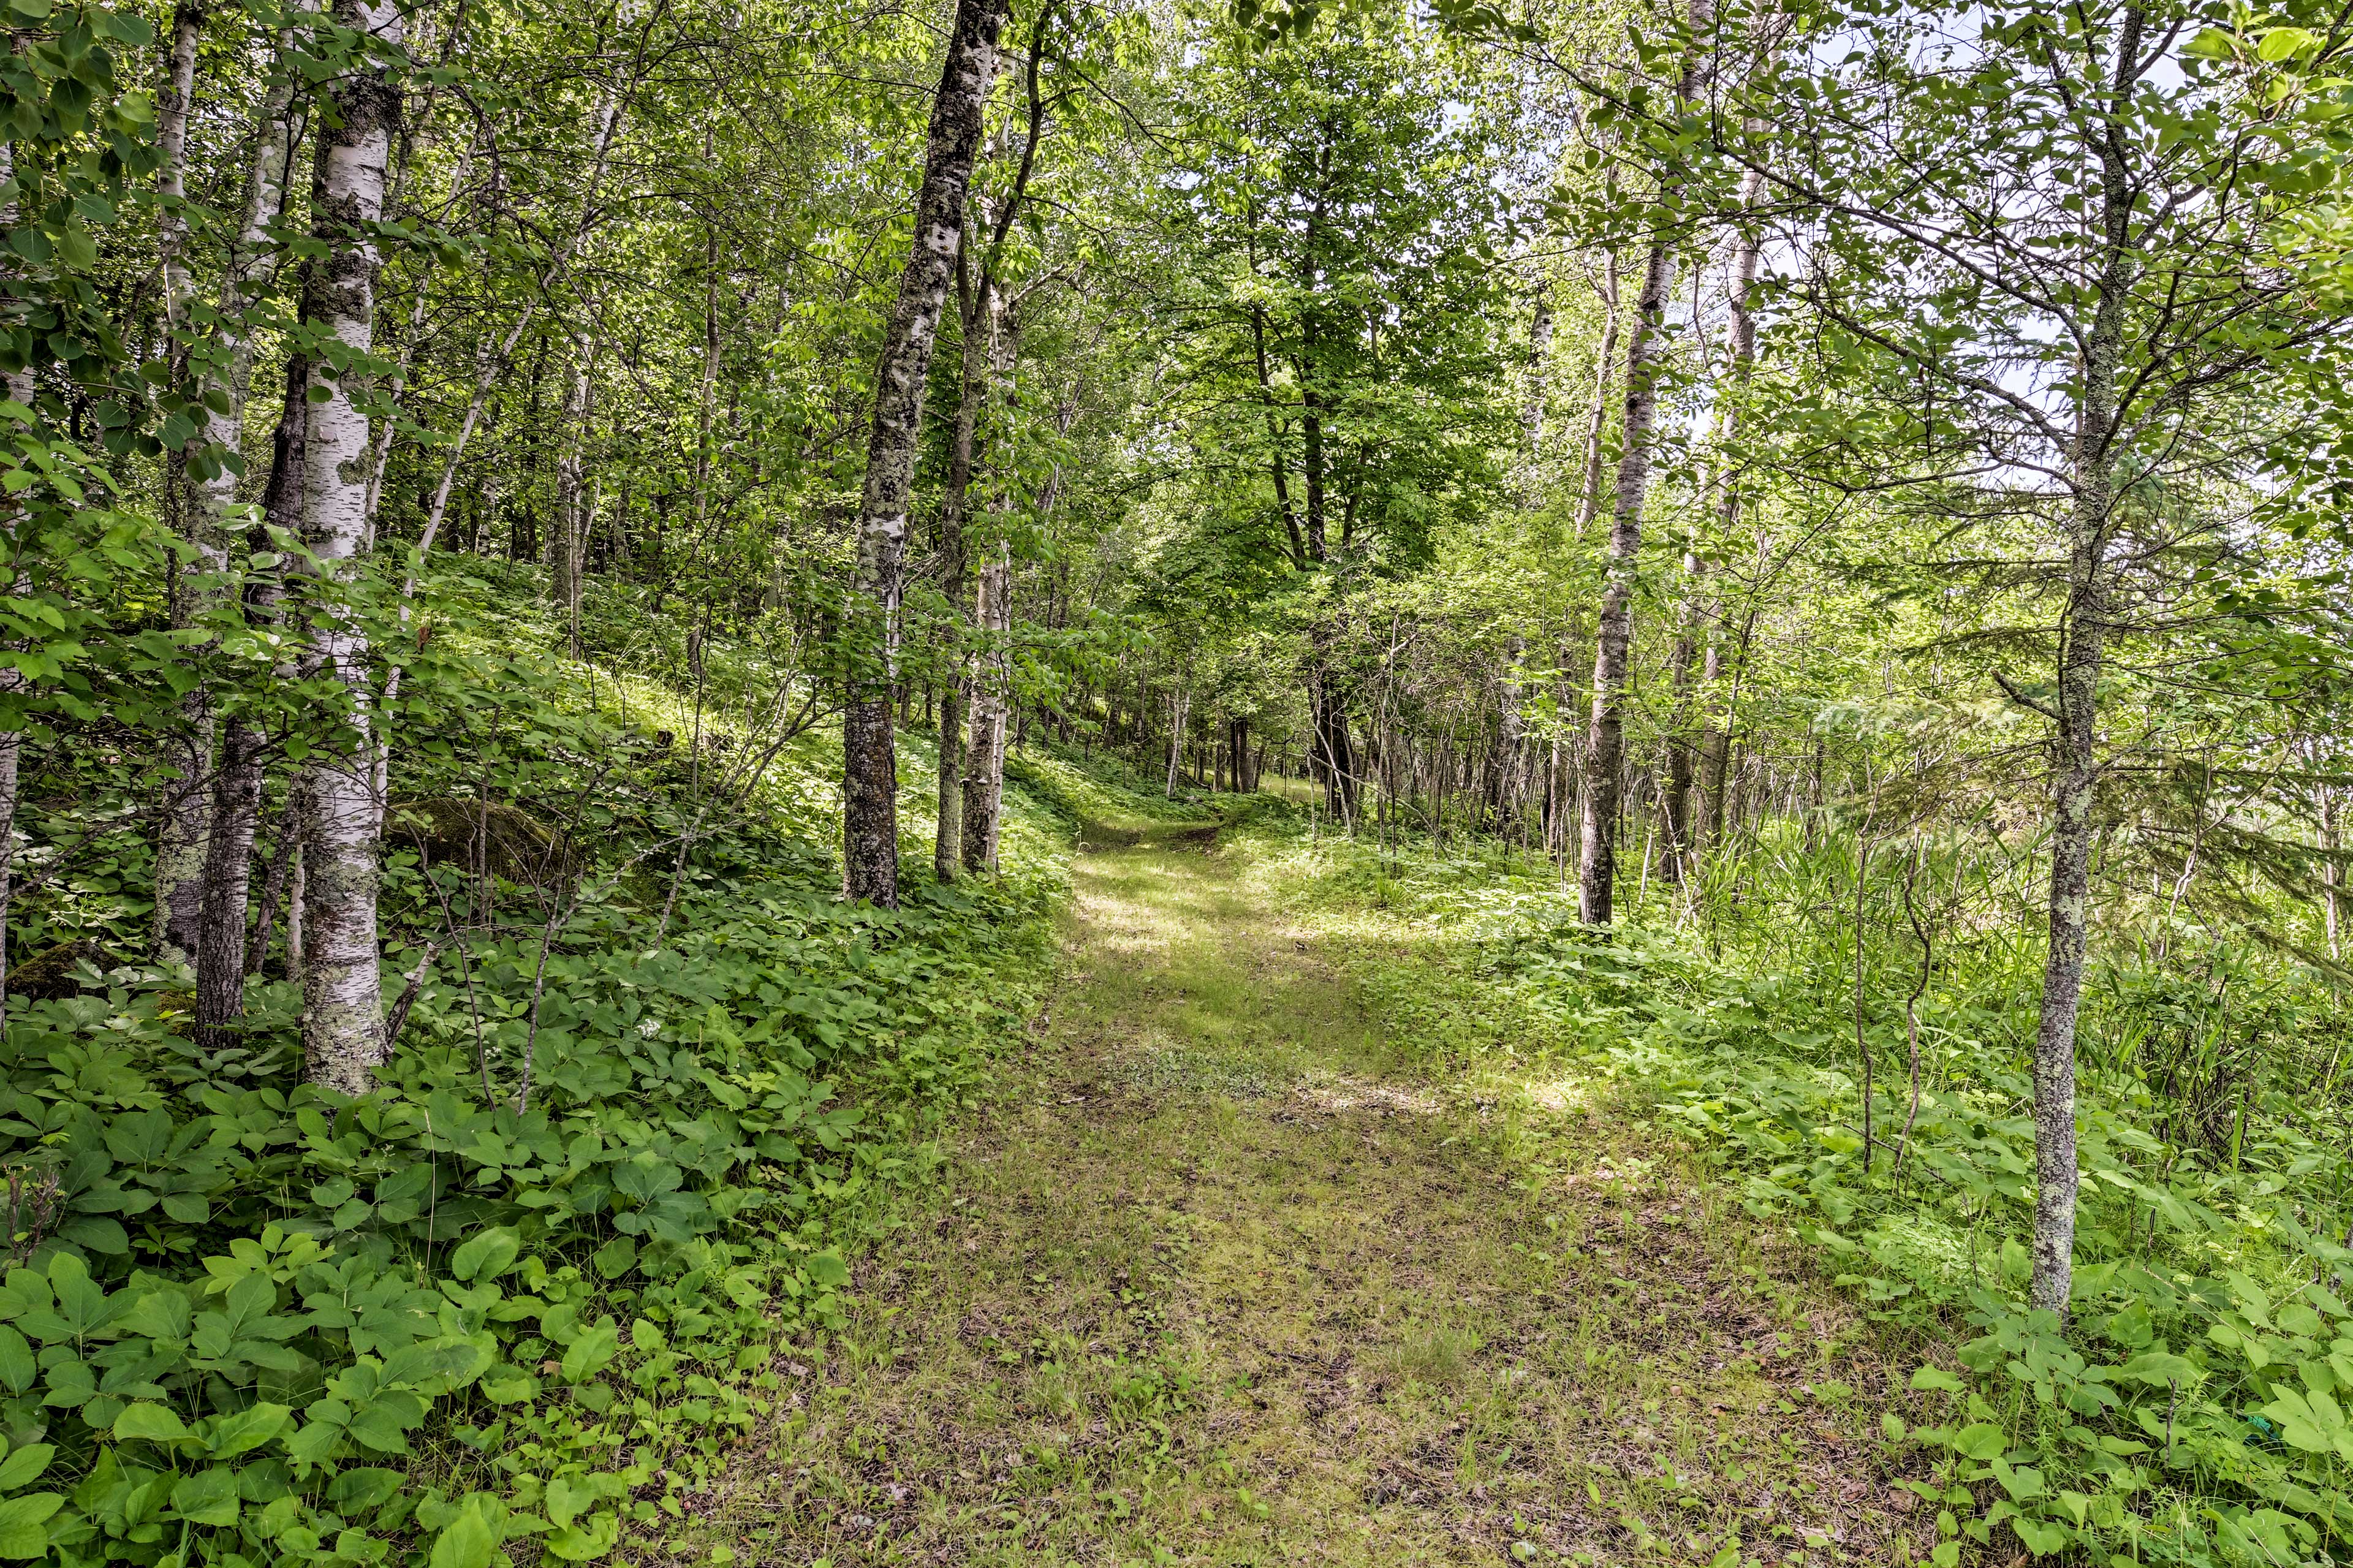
222	963
563	548
1597	420
984	784
977	318
342	1012
869	752
2082	635
1532	414
187	747
1606	739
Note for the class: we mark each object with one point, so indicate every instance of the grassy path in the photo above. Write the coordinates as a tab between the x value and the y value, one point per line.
1220	1283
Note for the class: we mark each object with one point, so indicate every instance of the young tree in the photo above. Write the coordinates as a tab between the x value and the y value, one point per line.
2059	244
870	750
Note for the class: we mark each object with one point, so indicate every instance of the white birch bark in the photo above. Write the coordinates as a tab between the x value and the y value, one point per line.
343	1038
870	750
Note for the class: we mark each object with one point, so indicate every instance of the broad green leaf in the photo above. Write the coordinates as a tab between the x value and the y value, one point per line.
592	1352
25	1466
208	1496
247	1429
1936	1377
468	1542
152	1421
22	1524
487	1256
1981	1442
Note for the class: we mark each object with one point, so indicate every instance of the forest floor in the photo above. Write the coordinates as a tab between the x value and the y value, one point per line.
1222	1278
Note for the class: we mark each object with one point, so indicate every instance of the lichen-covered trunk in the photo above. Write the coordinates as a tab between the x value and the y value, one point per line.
221	363
2083	632
984	784
342	1002
869	815
947	841
222	949
1605	745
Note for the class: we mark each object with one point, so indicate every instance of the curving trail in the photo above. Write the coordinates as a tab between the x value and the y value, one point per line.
1219	1281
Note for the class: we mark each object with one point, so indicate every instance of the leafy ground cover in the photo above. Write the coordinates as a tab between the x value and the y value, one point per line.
522	1297
1230	1271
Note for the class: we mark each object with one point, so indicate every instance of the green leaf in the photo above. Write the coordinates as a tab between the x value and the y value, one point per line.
507	1386
2041	1538
617	1257
467	1543
2160	1369
592	1352
1938	1378
247	1429
25	1466
22	1522
1981	1442
208	1496
472	1529
487	1256
827	1272
590	1539
18	1367
152	1423
2285	42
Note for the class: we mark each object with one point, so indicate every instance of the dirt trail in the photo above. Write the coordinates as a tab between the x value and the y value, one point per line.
1218	1284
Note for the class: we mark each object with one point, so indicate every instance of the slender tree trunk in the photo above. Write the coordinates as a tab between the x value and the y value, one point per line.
2082	641
870	751
565	547
343	1004
1597	420
977	318
2332	874
1605	740
188	746
222	366
984	784
1532	414
1176	743
221	944
1613	639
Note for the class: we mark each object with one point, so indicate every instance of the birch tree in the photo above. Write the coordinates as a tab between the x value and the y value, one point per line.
869	746
343	1038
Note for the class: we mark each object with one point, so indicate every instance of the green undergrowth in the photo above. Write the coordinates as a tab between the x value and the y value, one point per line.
2191	1410
515	1303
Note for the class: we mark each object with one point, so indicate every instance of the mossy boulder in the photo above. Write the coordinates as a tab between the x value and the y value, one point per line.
53	973
449	830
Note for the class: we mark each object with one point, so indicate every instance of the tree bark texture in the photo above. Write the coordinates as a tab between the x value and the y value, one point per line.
222	961
1606	737
188	746
984	784
976	319
2082	639
343	1002
869	752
